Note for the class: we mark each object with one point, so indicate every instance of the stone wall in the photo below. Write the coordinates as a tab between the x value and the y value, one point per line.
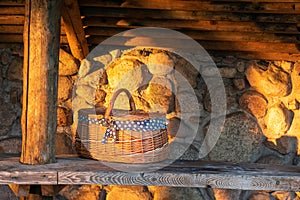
260	124
11	65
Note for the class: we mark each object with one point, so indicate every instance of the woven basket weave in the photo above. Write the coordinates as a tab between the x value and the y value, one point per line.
122	136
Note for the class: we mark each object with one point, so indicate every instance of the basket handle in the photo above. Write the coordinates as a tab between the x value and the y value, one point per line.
113	99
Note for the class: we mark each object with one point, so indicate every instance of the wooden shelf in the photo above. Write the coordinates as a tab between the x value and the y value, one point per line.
74	170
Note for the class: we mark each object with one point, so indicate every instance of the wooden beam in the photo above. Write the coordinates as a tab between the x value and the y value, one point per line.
73	170
12	2
12	19
208	45
208	35
239	7
74	29
189	15
209	25
41	49
257	55
12	10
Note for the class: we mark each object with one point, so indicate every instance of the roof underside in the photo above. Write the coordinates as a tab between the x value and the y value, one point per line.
252	29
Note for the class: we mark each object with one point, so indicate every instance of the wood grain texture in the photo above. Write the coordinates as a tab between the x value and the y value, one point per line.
208	35
12	2
239	7
188	15
74	170
74	29
208	25
12	19
41	49
253	46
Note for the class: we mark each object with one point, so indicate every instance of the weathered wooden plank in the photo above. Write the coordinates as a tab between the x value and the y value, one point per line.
18	38
250	7
41	49
208	45
188	15
251	46
18	29
11	29
209	25
258	55
190	174
11	38
74	170
74	29
28	177
12	19
9	10
12	2
13	172
208	35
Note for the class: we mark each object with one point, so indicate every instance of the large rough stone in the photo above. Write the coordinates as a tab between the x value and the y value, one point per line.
239	83
277	121
240	66
295	127
296	81
160	64
87	93
254	103
84	192
222	194
277	159
284	144
64	117
241	140
127	73
174	193
270	82
64	144
84	68
103	60
99	97
227	72
12	145
285	195
218	97
15	70
188	71
94	79
210	72
187	102
5	57
1	80
159	94
68	65
65	86
128	192
285	65
260	196
7	114
183	151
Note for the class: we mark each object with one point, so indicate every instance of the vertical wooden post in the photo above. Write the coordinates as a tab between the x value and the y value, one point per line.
41	49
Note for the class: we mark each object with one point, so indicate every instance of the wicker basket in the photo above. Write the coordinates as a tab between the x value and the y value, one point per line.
122	136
